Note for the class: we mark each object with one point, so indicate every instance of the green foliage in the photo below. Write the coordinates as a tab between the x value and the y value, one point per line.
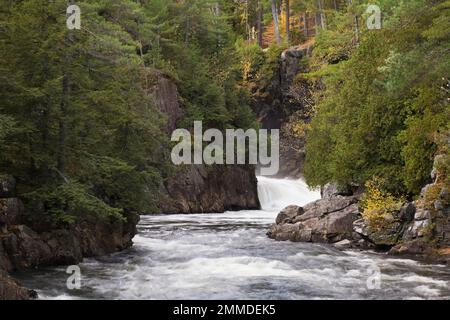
251	59
385	103
379	206
6	126
78	127
271	64
68	202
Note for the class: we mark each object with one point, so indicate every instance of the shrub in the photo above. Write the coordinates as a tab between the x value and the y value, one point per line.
379	205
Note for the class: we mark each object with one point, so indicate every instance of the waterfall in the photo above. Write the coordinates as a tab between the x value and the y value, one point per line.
276	194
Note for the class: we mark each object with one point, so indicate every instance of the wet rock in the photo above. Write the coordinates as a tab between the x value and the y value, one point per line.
344	244
288	214
324	221
284	232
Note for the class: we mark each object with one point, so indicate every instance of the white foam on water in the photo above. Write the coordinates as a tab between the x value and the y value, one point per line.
276	194
228	256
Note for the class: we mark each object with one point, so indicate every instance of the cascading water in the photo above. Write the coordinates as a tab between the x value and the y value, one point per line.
275	194
228	256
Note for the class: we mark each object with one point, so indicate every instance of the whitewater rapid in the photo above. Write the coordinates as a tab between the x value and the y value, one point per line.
228	256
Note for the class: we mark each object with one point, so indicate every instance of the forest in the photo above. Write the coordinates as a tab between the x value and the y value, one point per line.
91	92
77	117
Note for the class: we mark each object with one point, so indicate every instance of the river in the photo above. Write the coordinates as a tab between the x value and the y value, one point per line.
228	256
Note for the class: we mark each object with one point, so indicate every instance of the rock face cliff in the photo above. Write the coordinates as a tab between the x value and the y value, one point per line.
428	227
165	94
419	228
287	100
26	243
201	189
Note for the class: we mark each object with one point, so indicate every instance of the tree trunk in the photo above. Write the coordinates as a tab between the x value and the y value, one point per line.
217	9
260	24
64	105
62	129
288	20
275	21
320	16
186	34
356	23
306	26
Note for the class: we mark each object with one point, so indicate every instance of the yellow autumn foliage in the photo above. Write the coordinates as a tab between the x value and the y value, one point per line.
378	205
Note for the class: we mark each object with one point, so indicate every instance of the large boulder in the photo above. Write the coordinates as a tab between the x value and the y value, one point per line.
322	207
325	221
288	214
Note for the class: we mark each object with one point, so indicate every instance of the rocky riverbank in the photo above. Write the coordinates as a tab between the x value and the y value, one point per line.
27	243
216	189
419	229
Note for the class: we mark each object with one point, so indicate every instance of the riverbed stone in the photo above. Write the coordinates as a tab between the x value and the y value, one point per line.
288	214
344	244
324	221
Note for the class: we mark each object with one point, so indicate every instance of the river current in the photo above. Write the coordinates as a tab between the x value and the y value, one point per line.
228	256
